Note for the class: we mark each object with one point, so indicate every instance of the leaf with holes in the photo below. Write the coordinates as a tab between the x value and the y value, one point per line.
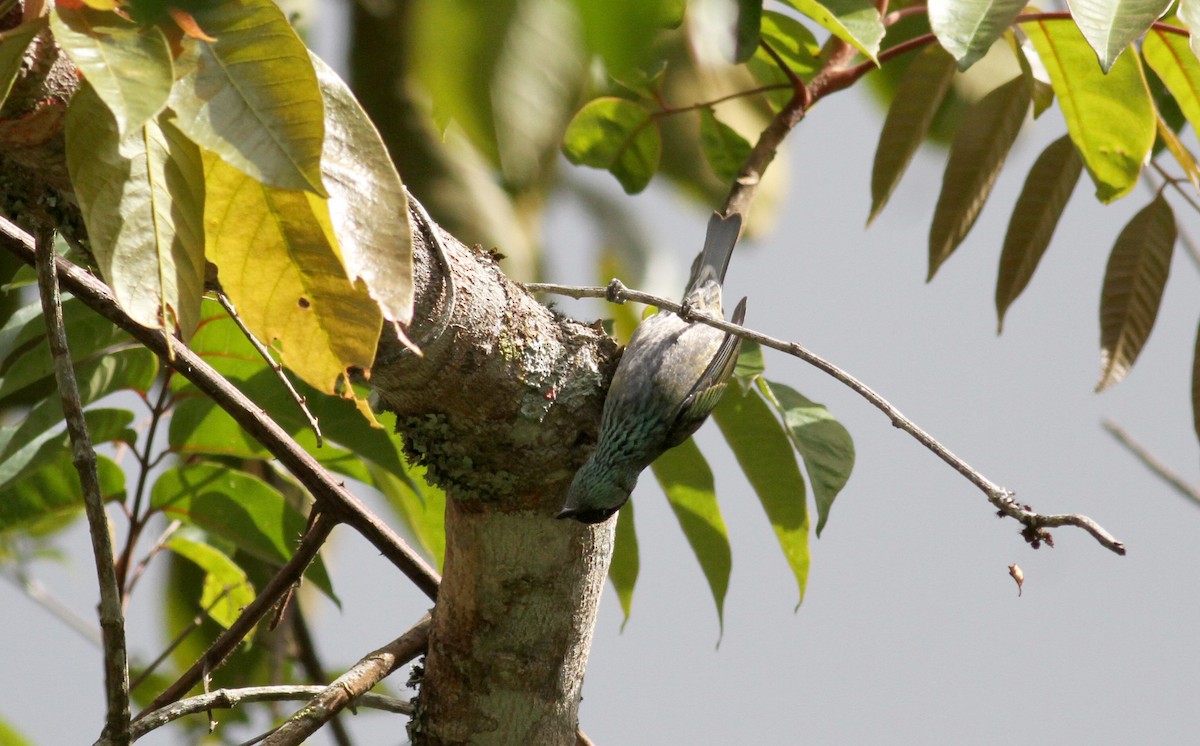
1133	287
322	322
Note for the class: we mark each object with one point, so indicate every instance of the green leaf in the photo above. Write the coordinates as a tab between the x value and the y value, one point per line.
88	335
796	46
750	364
1112	25
238	507
977	154
918	98
10	736
855	22
1133	286
458	76
367	202
27	449
133	368
13	44
623	571
618	136
725	150
323	322
764	452
251	96
687	481
825	445
749	21
1035	216
53	491
127	65
1110	117
1170	57
142	200
622	32
968	28
226	588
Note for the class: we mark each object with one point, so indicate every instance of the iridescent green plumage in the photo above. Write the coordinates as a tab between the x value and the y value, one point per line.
670	378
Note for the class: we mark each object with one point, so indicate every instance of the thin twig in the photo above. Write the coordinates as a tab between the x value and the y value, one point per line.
229	698
275	589
1150	462
1035	524
329	492
344	690
142	564
112	622
137	521
263	352
197	620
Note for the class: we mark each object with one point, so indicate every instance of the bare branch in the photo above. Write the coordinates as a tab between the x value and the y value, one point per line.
1153	464
112	621
230	698
344	690
1035	524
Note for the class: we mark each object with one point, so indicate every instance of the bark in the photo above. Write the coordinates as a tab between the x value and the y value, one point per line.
502	408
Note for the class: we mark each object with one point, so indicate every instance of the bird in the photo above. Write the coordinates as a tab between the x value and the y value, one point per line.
671	376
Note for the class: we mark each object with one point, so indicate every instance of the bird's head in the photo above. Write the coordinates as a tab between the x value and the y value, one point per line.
595	493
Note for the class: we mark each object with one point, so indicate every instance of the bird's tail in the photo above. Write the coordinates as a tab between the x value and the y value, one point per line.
711	263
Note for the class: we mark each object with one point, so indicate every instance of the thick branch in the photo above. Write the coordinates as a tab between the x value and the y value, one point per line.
1035	523
112	620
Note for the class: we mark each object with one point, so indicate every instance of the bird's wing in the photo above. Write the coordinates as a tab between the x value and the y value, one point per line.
706	392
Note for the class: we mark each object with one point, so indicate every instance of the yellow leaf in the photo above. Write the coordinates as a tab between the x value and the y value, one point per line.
277	259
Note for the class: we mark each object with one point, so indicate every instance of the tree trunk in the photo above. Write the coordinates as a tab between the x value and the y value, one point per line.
501	408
